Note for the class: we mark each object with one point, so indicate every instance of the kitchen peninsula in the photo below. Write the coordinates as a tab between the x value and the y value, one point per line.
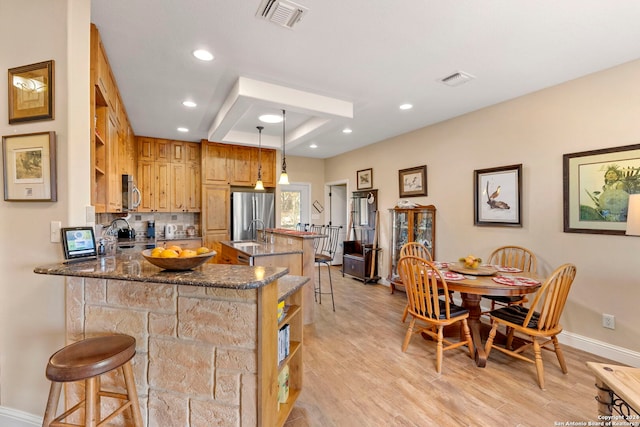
207	350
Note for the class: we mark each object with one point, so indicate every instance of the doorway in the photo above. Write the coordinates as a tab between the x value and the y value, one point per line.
336	199
294	205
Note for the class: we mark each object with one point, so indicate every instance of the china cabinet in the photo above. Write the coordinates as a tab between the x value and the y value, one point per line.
416	224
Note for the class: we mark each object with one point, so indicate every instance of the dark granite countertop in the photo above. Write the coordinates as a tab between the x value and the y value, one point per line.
131	266
294	233
259	248
289	284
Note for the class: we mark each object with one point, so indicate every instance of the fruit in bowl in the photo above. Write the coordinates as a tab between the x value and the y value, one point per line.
471	261
176	258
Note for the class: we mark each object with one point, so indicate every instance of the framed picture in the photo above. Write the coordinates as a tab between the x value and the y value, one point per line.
365	179
497	196
413	181
597	185
30	167
31	92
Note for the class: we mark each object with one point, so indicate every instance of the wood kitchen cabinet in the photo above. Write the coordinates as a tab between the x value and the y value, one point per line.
267	158
178	196
114	190
410	225
240	166
154	184
169	176
112	142
236	164
215	218
214	162
146	149
193	187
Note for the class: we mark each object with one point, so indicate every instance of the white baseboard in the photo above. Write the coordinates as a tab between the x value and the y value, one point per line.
14	418
602	349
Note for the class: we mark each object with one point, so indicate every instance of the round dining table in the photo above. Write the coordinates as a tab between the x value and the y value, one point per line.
473	287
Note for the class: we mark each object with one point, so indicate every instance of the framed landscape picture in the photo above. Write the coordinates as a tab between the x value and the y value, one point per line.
30	167
497	196
31	92
596	189
413	181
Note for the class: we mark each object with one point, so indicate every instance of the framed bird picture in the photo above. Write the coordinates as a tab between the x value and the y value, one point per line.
497	196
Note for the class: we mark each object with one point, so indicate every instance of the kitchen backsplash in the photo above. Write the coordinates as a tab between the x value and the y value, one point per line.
139	222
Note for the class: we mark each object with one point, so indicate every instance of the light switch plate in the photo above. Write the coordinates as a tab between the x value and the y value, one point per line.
90	215
55	231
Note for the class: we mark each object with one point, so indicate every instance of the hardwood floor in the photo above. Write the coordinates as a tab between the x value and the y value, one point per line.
355	373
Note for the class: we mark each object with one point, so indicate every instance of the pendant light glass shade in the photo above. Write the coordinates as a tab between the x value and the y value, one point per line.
259	184
284	178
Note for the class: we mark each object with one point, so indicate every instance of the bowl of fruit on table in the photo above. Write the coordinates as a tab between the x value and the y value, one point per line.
177	259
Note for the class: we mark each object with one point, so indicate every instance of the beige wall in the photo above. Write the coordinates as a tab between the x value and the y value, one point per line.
597	111
32	306
594	112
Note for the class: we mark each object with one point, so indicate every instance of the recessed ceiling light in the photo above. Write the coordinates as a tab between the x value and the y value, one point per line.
406	106
189	104
203	55
270	118
313	146
183	130
346	130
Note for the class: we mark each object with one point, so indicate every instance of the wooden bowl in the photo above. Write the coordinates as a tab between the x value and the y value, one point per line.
178	264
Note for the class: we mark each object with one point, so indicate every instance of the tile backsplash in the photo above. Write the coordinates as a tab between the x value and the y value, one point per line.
139	220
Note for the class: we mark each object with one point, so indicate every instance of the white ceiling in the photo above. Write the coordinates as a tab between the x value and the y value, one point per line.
372	55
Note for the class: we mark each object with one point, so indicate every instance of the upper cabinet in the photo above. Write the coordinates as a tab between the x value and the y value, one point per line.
169	175
237	165
112	143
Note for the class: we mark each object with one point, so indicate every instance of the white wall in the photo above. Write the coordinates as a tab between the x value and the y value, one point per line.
32	306
597	111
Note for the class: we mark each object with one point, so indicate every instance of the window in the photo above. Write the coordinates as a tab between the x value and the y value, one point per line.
294	205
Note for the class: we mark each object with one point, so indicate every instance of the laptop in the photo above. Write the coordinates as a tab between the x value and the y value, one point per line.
78	244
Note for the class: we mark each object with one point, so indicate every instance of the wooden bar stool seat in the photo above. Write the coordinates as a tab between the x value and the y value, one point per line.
87	360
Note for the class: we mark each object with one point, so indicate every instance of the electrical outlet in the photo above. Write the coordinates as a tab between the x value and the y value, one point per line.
608	321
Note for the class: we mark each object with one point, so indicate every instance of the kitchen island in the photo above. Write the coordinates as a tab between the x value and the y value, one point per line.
207	339
278	247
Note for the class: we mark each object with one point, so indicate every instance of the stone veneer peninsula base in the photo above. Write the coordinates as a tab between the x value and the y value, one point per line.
206	339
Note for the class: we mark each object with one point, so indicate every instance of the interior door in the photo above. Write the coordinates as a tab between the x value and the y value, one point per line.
338	216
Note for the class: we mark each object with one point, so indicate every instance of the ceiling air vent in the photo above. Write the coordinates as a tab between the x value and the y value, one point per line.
281	12
456	79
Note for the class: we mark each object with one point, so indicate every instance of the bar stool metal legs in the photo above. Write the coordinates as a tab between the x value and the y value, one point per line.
86	361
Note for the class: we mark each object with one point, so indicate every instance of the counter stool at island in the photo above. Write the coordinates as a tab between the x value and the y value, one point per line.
87	360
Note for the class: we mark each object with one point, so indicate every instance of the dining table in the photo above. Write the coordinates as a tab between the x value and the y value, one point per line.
485	280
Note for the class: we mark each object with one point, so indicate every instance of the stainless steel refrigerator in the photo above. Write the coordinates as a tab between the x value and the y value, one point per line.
246	207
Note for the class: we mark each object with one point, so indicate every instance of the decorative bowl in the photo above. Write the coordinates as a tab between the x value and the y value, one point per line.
178	264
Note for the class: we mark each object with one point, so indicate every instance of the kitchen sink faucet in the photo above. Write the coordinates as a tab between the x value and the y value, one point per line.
264	234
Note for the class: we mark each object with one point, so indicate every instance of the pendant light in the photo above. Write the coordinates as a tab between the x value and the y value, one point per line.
259	184
284	178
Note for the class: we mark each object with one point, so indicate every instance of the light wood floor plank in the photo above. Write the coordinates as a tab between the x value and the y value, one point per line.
355	373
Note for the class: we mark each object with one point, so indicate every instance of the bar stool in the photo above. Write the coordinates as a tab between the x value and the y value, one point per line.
87	360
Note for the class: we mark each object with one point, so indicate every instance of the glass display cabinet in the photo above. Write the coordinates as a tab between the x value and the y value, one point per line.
410	225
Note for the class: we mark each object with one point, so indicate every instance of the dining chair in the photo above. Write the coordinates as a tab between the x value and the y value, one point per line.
539	322
413	249
512	256
422	281
325	252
